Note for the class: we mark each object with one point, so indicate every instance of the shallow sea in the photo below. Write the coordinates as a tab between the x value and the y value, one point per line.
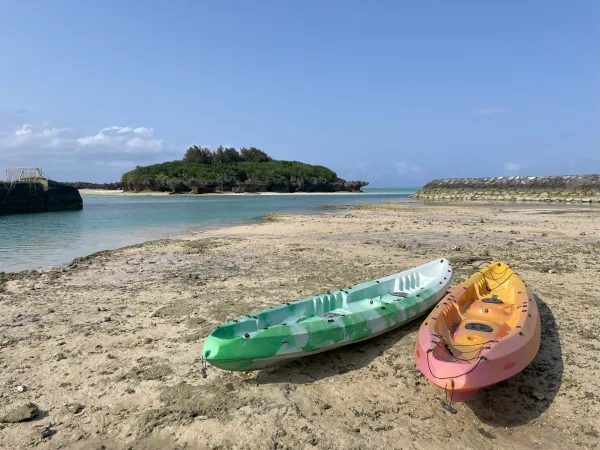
29	241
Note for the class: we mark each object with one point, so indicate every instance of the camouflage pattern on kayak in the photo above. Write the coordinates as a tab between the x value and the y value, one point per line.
327	321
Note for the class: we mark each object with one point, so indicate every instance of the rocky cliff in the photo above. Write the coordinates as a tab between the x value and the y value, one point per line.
45	195
234	184
567	188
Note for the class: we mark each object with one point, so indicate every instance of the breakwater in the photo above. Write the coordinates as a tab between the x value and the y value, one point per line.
42	195
565	189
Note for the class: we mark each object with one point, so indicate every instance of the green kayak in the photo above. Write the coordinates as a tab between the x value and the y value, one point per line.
327	321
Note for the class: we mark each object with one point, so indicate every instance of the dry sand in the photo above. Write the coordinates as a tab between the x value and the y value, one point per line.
109	348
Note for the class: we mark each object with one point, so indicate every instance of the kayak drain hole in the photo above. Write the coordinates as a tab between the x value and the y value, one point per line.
207	354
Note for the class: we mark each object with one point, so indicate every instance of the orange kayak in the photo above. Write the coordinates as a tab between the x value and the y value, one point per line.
484	331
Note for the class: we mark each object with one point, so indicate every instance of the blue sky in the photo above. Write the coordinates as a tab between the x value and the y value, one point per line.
395	93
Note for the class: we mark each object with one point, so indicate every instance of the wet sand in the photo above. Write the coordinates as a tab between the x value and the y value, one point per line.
109	347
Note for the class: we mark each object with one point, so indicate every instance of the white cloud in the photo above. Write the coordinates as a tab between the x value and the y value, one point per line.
144	131
30	138
512	167
121	130
153	145
491	110
53	132
43	145
97	139
123	139
25	129
403	168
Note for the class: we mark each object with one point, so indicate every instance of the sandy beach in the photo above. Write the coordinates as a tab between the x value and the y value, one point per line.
108	348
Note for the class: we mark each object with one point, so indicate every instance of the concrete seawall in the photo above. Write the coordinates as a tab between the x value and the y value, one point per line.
43	195
565	189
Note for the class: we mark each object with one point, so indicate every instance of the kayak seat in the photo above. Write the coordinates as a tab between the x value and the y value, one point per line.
470	332
493	312
494	300
476	326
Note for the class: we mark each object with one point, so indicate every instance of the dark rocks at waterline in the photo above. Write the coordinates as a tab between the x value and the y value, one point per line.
233	184
43	195
61	197
567	188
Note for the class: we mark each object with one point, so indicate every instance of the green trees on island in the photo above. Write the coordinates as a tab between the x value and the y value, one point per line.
248	163
201	155
253	154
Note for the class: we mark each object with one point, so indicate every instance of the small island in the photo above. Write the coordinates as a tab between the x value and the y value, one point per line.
226	169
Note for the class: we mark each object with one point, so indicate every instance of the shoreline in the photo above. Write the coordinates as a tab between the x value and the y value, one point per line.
180	229
337	209
111	343
120	192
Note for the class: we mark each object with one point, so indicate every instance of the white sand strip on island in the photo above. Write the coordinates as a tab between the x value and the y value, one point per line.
120	192
108	349
117	192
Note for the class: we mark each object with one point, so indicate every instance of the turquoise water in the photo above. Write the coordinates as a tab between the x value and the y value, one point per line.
30	241
390	191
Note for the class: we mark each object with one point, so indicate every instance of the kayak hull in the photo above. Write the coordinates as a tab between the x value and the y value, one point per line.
484	331
261	363
327	321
